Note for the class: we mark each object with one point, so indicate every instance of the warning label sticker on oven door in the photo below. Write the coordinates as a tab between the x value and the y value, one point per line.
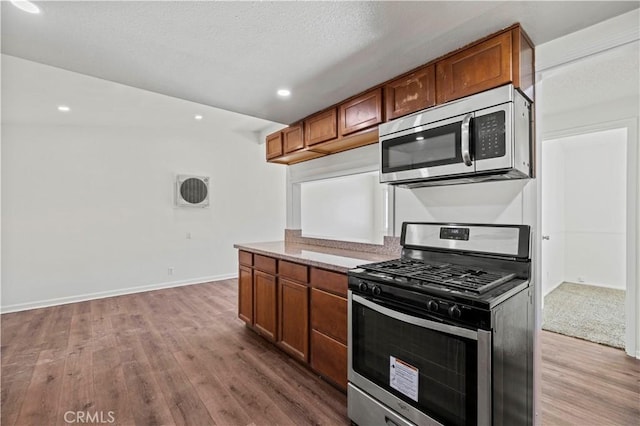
403	377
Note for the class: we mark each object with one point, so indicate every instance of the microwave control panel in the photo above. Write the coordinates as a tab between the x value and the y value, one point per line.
489	133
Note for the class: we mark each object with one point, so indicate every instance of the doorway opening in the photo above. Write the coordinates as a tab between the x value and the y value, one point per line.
584	236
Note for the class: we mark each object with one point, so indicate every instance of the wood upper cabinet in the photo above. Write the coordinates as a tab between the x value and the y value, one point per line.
294	318
265	313
245	294
321	127
410	93
361	112
480	67
293	138
274	145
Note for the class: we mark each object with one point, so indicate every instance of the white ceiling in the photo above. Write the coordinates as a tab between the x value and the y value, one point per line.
235	55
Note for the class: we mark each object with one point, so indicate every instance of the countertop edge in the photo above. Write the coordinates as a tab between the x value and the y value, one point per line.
300	260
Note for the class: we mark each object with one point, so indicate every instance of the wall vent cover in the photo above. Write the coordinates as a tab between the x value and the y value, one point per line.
192	191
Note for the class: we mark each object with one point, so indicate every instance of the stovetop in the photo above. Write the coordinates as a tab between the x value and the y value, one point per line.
466	278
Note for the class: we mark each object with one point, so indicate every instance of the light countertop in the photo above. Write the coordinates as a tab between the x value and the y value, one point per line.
335	259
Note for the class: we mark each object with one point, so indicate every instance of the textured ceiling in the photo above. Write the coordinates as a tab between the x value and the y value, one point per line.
235	55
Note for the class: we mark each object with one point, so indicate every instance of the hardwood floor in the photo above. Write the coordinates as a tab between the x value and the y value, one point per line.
174	356
585	383
181	356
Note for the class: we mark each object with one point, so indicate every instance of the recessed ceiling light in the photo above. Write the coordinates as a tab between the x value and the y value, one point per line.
63	108
26	6
419	138
284	93
198	117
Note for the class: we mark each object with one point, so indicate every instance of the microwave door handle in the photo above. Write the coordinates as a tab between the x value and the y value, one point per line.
464	140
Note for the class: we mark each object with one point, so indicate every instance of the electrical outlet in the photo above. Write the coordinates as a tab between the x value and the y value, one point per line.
188	235
170	271
580	279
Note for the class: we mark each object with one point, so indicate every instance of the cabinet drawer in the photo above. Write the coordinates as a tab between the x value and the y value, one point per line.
294	271
361	112
321	127
264	263
329	314
329	358
333	282
245	258
473	70
411	93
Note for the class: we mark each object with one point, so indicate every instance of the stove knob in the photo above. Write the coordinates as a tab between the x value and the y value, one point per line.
363	287
376	290
432	305
454	312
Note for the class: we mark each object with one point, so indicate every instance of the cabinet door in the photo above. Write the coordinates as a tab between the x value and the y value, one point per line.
294	318
292	137
274	145
483	66
329	314
329	358
265	304
411	93
245	294
361	112
321	127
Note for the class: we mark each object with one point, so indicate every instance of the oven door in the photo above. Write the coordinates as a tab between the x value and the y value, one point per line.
426	371
431	150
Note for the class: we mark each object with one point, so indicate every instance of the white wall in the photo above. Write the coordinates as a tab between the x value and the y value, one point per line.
584	209
502	202
595	208
87	198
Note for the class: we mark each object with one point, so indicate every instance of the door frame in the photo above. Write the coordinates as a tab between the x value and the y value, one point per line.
632	299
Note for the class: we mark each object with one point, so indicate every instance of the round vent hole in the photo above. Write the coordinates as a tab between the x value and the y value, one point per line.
193	191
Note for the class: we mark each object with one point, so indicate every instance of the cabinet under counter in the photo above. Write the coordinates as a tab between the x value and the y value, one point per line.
295	296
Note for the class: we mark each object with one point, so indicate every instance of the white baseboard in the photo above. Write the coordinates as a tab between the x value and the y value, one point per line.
111	293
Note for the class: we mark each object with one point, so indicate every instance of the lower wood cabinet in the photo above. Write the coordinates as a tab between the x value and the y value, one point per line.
302	309
294	318
329	314
245	294
265	314
329	325
329	358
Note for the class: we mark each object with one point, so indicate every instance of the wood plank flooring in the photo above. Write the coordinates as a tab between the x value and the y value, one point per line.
180	356
176	356
585	383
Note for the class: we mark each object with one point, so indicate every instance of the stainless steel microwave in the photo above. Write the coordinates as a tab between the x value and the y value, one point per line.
482	137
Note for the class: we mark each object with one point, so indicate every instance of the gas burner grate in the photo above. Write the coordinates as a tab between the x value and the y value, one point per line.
443	274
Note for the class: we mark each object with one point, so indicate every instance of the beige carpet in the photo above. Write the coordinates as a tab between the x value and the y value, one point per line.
587	312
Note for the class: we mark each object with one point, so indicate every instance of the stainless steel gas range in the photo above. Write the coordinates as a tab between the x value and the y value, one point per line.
444	334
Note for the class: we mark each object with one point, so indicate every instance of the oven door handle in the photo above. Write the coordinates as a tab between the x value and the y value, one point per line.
420	322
